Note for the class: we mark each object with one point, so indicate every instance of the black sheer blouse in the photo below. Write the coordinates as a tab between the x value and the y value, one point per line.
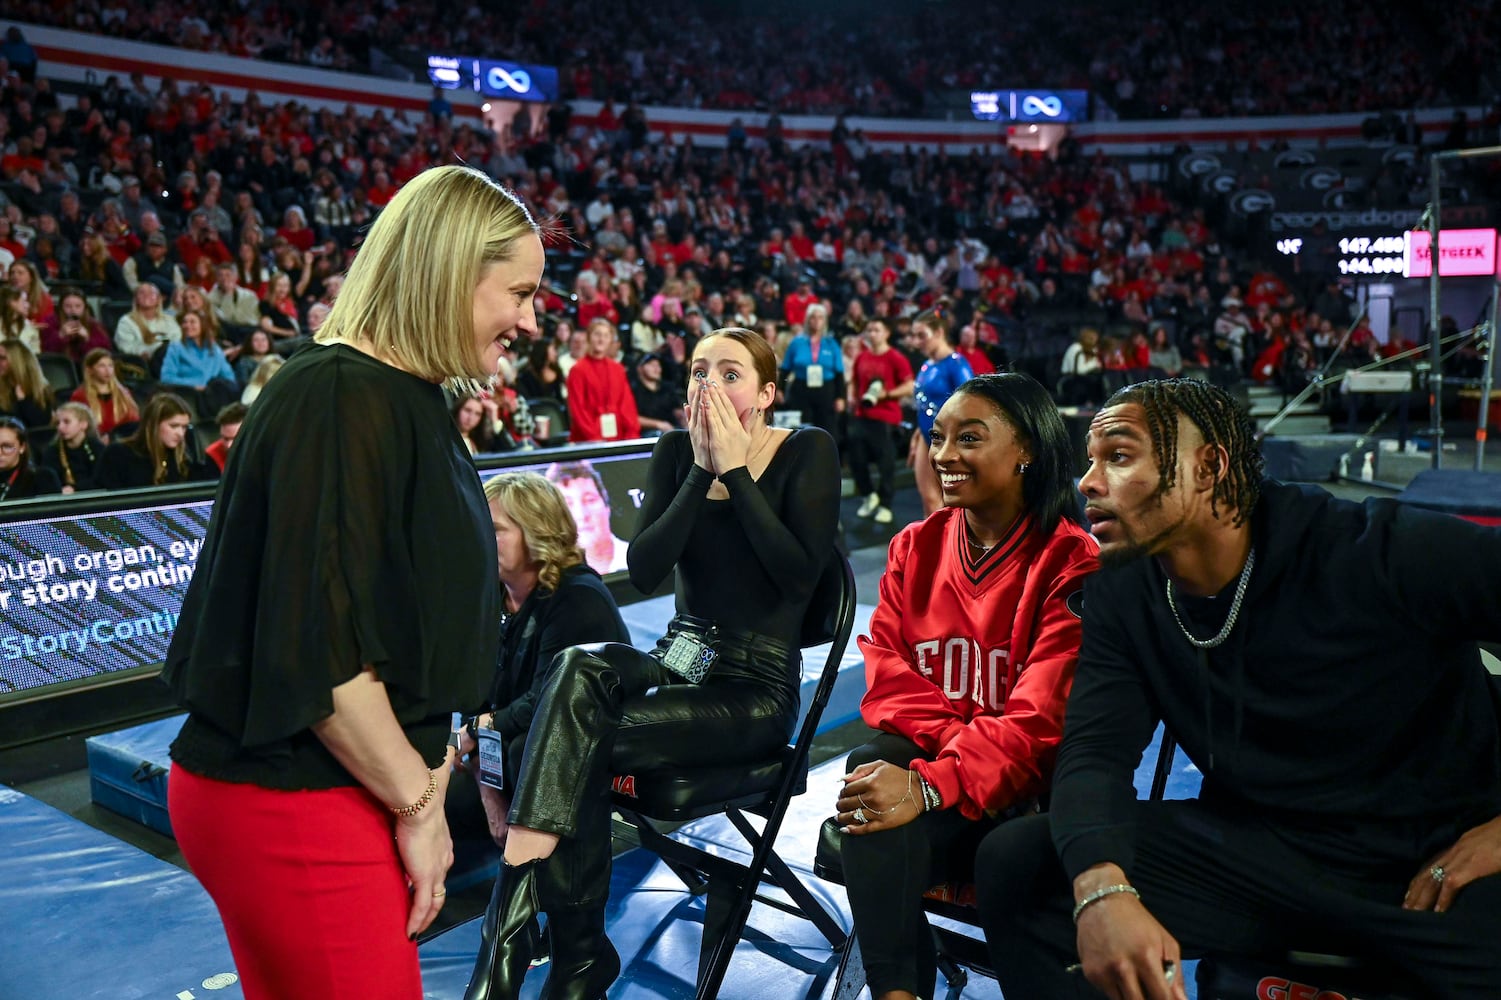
350	529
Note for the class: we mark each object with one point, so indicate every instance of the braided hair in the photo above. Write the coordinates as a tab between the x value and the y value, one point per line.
1222	421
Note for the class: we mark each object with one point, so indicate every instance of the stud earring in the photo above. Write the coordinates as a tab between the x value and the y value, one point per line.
1022	469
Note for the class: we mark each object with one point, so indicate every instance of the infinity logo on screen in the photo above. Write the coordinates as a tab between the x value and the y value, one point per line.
519	81
1048	106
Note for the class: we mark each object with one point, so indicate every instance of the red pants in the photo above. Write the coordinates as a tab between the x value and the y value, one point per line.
309	885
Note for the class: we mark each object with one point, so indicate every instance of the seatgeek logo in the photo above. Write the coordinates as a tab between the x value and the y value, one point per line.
519	81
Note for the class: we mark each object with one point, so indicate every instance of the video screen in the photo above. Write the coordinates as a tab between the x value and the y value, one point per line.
604	496
82	596
87	592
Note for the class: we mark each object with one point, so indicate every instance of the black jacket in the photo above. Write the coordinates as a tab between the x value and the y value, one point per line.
1349	705
581	610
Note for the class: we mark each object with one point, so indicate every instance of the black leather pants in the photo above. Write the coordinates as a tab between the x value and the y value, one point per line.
610	709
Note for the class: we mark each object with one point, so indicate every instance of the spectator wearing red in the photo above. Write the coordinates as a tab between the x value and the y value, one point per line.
381	190
114	229
883	377
601	406
969	348
295	230
795	306
201	241
800	244
1264	287
592	305
8	241
229	420
72	330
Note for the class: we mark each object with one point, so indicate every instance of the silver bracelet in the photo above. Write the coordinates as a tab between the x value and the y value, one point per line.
930	798
1099	894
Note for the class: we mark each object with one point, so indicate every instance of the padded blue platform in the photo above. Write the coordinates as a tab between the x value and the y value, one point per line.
1306	458
88	916
128	769
1456	491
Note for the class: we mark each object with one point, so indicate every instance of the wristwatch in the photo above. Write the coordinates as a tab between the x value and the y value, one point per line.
471	726
455	741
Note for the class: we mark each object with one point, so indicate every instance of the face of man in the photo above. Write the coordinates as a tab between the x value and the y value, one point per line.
601	340
1129	514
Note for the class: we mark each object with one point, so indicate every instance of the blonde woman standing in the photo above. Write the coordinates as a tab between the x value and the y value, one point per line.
345	604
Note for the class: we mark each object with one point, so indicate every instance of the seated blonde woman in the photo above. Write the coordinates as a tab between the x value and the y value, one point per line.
147	326
553	600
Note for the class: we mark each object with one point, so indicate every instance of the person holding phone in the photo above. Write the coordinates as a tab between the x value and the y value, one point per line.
72	330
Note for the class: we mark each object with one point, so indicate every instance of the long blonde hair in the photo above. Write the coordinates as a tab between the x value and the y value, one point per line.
541	512
25	371
264	369
410	291
149	337
122	405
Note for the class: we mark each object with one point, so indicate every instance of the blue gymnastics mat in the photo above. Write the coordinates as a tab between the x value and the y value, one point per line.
88	917
1456	491
129	768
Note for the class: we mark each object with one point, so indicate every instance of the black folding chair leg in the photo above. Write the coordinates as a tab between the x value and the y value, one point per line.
849	982
953	973
726	909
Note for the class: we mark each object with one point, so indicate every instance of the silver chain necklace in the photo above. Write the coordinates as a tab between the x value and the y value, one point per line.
1240	593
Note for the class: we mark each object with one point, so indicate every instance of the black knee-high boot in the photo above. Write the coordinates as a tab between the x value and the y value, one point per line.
506	935
584	962
573	890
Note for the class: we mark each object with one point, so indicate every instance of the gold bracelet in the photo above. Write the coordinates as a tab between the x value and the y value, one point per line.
406	812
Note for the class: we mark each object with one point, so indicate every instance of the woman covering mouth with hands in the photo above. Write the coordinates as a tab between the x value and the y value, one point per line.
745	513
969	660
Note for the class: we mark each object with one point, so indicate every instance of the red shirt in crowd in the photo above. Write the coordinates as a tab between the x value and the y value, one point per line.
601	406
795	307
601	307
978	360
219	452
893	369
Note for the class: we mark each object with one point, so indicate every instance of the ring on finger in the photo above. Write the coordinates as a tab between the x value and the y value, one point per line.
1437	873
859	816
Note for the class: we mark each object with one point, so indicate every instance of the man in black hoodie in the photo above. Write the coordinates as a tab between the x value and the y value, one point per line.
1317	660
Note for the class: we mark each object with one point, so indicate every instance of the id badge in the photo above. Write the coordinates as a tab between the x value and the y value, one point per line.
813	376
491	759
607	425
689	658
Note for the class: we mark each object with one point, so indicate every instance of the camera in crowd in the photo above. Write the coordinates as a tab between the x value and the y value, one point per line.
874	393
